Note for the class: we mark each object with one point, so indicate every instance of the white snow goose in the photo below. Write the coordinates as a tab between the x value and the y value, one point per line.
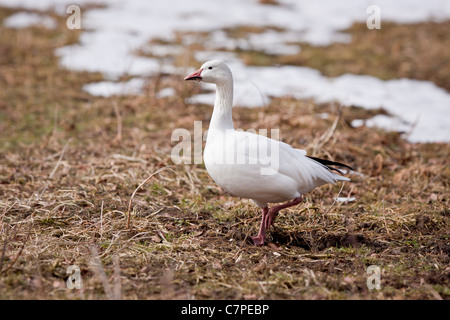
253	166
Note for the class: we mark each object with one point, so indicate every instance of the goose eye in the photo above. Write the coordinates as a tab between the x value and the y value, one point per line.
210	68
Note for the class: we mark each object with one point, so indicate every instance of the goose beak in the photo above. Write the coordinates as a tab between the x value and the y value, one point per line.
195	76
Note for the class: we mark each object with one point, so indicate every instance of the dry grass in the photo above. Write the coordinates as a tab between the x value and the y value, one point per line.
67	178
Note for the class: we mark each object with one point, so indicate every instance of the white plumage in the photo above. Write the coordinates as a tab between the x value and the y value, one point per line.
254	166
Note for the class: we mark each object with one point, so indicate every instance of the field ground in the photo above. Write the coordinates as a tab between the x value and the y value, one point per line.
69	163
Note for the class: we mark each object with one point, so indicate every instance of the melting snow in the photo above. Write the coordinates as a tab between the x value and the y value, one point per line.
112	34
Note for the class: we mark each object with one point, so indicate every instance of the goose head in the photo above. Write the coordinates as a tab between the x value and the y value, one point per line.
214	71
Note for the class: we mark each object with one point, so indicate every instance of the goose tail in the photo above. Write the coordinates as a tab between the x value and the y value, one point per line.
330	165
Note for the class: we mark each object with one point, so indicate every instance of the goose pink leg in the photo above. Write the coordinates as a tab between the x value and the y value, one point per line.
268	218
261	237
273	212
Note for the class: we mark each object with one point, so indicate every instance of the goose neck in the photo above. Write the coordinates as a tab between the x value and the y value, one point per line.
223	104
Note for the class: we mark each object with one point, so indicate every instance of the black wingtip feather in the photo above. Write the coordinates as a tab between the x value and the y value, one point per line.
329	163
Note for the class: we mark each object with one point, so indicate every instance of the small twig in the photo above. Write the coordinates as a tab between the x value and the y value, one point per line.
110	245
384	218
246	221
5	210
335	199
101	221
123	157
19	253
53	171
326	136
134	192
59	161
